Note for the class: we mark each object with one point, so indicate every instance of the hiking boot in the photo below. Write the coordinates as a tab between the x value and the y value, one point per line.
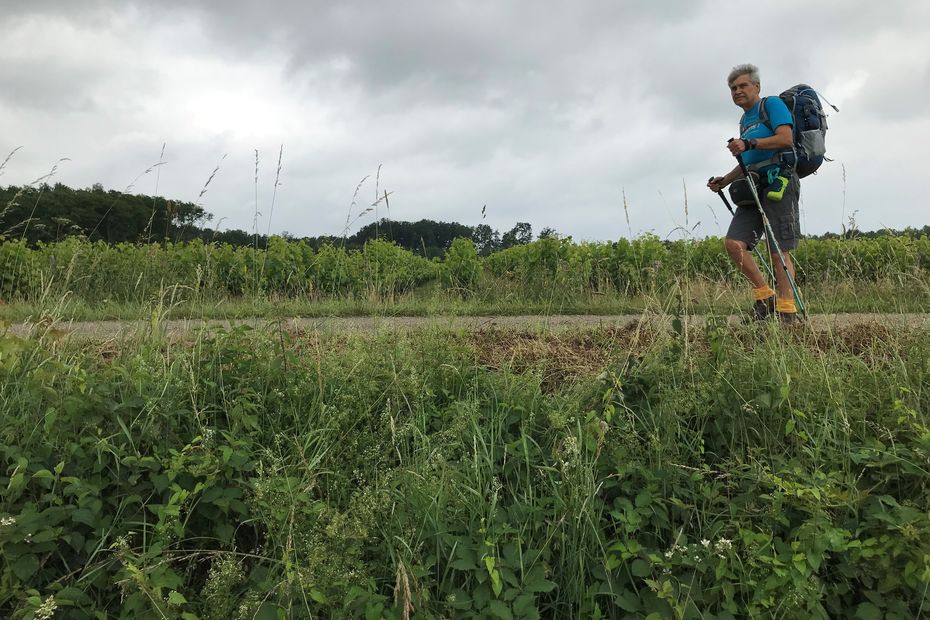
762	309
789	318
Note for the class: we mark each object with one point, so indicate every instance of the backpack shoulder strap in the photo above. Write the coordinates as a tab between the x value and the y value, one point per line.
763	115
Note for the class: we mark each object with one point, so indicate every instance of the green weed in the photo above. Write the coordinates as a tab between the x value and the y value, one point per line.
722	471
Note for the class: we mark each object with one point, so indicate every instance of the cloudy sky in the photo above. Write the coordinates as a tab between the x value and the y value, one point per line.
547	111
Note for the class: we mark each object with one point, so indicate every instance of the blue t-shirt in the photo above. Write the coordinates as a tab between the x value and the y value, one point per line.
750	126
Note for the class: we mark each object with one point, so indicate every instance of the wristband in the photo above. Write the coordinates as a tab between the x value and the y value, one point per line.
747	145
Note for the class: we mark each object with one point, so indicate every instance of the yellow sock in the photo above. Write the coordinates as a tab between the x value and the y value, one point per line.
762	293
786	306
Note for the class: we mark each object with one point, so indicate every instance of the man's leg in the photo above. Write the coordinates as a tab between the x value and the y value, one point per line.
739	253
763	297
781	281
745	229
784	218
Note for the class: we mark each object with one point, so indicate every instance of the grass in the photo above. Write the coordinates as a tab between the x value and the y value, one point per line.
722	471
888	295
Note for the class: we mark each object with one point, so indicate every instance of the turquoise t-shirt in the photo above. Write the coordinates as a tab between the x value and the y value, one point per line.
750	126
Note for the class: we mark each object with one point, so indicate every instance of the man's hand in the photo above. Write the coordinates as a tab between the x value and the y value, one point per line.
716	184
737	146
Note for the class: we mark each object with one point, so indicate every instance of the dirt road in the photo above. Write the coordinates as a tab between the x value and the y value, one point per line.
120	329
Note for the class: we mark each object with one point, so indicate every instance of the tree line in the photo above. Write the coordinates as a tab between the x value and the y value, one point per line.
49	213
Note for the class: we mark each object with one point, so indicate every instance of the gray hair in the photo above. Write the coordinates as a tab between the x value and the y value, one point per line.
751	70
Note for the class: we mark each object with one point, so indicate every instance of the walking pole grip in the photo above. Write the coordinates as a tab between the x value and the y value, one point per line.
742	164
723	198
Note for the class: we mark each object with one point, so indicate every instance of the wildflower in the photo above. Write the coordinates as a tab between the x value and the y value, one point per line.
46	610
705	543
571	446
7	521
676	548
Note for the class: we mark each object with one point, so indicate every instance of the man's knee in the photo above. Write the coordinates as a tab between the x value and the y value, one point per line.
776	257
734	247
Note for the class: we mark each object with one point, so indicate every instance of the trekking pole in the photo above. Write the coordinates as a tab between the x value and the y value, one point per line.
770	236
759	255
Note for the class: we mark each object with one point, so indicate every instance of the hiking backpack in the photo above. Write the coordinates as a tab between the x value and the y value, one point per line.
809	125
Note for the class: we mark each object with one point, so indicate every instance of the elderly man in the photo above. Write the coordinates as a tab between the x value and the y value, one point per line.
763	138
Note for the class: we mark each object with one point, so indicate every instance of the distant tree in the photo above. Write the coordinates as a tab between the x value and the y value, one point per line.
425	237
486	239
234	237
521	234
548	233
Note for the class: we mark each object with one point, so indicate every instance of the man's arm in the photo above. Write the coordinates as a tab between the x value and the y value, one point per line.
718	183
782	140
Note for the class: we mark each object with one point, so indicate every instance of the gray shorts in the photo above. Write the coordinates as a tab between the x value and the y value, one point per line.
783	215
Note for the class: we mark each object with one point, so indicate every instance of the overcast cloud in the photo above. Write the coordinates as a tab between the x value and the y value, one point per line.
547	112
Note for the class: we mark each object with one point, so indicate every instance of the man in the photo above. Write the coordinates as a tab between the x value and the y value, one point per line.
760	145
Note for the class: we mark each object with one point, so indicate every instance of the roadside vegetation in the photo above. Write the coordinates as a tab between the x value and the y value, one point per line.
659	471
94	280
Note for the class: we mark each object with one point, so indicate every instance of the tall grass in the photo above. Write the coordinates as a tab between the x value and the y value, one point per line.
548	276
699	471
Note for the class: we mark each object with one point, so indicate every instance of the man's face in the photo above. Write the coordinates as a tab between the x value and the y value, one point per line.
744	92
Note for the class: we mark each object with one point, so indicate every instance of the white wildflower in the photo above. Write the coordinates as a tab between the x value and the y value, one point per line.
676	548
46	610
722	546
571	446
7	521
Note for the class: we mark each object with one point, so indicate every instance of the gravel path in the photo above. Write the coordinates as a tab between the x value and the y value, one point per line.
119	329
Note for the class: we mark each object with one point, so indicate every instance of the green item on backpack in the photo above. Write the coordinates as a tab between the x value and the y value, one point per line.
776	190
775	183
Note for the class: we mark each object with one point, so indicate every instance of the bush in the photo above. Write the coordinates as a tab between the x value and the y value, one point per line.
461	265
549	269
